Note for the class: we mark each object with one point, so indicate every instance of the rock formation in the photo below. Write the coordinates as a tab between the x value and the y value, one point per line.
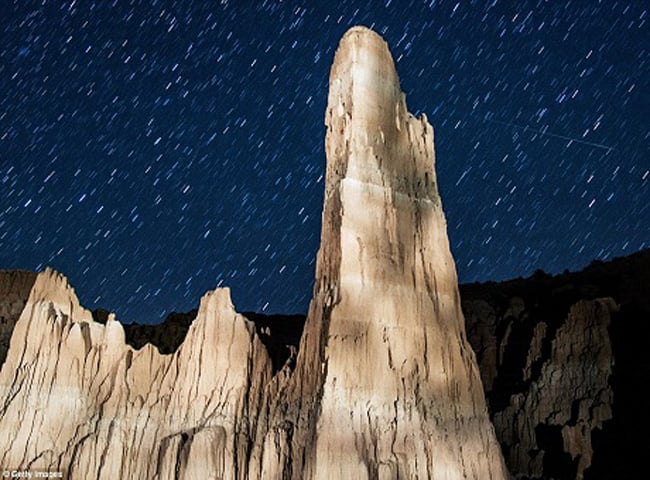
76	399
562	361
567	401
385	384
14	290
382	383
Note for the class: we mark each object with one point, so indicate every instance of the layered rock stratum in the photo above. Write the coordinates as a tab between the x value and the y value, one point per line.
384	385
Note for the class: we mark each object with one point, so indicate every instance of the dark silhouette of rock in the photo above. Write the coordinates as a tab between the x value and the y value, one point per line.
562	364
167	336
15	286
280	334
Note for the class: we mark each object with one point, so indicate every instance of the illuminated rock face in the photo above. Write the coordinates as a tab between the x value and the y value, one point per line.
386	384
76	399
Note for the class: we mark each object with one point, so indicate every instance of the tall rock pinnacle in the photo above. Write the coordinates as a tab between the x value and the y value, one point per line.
386	385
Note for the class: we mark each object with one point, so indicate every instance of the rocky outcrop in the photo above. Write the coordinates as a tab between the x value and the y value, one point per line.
381	384
76	399
562	361
547	428
15	286
385	385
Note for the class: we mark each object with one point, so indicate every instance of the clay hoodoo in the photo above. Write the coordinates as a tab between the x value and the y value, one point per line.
75	399
386	384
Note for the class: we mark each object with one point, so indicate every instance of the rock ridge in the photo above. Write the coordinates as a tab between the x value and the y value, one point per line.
95	397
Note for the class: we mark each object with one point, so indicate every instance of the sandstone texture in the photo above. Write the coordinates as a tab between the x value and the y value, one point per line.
384	385
76	399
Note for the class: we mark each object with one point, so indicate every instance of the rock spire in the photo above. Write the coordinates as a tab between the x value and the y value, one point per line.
386	384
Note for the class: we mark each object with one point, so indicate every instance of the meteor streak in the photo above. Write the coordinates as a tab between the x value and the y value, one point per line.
526	128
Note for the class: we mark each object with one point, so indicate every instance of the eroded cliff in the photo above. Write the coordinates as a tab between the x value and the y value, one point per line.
563	361
75	398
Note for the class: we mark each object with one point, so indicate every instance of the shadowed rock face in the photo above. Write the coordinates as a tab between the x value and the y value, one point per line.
385	384
167	337
563	361
15	286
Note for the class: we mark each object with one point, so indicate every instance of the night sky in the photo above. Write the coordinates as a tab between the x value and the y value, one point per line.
152	150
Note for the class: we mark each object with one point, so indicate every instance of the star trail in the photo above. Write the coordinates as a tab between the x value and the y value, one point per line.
153	150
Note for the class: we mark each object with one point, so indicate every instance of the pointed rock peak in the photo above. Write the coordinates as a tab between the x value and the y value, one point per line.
362	30
53	287
385	380
364	57
191	411
371	136
217	300
55	279
384	385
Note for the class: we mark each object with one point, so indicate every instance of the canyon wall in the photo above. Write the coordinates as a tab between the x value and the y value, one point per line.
562	361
